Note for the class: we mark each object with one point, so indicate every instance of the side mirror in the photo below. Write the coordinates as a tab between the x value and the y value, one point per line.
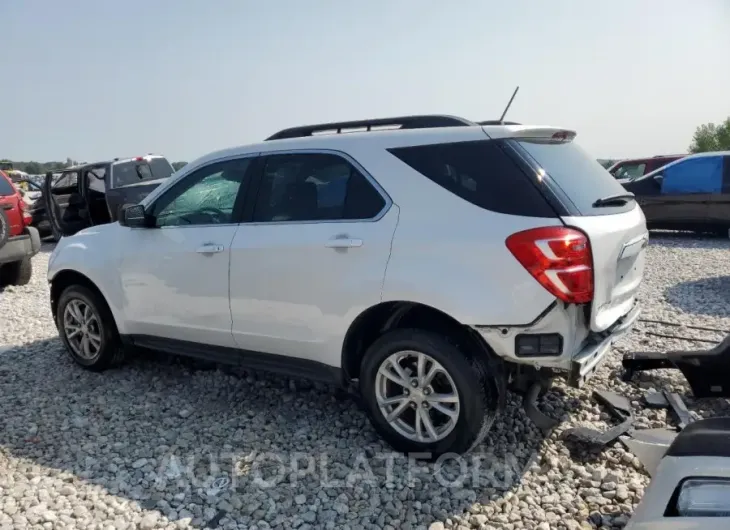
658	178
133	216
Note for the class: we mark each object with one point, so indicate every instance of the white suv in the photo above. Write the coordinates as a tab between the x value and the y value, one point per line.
430	265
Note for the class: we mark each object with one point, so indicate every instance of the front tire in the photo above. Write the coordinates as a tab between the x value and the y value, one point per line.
86	327
425	395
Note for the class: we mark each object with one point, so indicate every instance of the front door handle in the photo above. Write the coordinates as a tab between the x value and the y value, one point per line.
343	242
209	248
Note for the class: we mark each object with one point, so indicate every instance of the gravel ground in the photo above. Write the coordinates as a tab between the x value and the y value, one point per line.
163	443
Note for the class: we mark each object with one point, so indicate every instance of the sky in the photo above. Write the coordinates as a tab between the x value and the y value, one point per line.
91	79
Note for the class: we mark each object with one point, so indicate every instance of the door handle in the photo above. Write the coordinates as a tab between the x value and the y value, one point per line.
343	242
209	248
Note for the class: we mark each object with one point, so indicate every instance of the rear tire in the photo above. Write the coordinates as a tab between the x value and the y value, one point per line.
17	272
87	329
455	426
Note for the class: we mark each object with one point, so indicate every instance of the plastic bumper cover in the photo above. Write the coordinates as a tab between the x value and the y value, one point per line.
20	247
589	359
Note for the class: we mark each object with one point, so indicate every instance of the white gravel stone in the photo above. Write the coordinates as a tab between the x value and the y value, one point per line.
123	449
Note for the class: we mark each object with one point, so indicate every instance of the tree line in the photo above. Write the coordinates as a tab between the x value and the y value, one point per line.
40	168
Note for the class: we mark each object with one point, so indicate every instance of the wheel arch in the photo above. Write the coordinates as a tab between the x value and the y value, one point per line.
66	277
386	316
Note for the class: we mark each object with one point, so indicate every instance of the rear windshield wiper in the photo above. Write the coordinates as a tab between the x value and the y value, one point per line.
614	200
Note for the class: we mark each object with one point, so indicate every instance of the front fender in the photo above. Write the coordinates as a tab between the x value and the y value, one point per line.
97	263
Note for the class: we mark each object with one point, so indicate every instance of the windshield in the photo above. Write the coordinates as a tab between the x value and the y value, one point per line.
134	171
580	177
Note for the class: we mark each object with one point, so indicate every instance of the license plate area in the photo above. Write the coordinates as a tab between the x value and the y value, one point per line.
633	248
629	269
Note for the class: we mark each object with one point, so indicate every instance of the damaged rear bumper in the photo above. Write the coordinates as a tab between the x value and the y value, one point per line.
587	361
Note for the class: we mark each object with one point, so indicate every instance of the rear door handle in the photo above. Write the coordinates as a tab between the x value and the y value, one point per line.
209	248
343	242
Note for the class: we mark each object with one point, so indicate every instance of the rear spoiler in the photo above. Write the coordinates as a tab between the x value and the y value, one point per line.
555	134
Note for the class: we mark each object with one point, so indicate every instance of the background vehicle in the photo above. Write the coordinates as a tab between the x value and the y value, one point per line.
30	190
19	242
91	194
692	193
625	170
691	486
340	257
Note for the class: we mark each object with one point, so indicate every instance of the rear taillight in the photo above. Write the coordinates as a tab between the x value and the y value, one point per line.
27	217
559	258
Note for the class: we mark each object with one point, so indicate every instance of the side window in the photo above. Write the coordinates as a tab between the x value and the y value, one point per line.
479	172
207	196
65	180
630	171
694	175
314	187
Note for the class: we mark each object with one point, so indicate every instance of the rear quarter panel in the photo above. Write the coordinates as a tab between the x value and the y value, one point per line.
450	254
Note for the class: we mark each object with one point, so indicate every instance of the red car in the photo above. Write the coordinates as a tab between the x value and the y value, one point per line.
19	241
638	167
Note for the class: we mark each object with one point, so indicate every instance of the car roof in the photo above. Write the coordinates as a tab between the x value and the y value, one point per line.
85	165
646	159
382	138
134	158
697	155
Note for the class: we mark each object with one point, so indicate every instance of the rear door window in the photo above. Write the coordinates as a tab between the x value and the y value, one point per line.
314	187
579	178
479	172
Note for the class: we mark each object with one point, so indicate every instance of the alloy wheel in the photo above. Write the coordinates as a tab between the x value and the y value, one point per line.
417	396
82	329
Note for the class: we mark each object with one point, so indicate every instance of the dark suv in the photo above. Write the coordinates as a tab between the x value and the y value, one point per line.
92	194
19	241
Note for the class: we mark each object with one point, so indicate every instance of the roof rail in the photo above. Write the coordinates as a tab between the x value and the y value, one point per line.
401	122
497	122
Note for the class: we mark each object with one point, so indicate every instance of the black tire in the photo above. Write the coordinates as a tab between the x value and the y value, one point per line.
111	352
4	227
478	383
17	272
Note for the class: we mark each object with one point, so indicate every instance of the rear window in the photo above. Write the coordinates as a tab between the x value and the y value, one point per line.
479	172
133	171
6	188
579	176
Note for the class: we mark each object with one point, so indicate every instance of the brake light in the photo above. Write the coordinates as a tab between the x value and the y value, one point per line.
559	258
27	217
563	136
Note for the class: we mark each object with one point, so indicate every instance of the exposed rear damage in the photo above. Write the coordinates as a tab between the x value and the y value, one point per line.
593	264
